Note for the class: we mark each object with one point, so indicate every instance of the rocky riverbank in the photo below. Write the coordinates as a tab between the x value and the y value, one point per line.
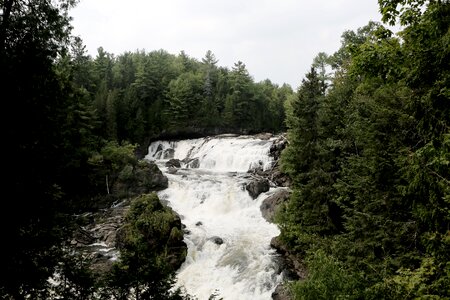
290	266
97	233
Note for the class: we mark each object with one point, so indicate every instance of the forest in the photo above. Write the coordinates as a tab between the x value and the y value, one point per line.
368	153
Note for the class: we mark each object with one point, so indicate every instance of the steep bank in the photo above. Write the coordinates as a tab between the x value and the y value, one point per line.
289	265
98	232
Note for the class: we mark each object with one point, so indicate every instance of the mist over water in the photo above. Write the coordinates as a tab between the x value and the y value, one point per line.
228	240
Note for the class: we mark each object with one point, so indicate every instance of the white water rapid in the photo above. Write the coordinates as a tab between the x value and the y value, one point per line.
215	207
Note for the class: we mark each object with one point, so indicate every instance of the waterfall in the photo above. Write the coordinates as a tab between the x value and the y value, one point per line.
228	240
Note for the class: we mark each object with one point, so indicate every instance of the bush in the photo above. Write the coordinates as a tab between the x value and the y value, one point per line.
327	279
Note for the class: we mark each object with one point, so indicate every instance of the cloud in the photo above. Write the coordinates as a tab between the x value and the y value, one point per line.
275	39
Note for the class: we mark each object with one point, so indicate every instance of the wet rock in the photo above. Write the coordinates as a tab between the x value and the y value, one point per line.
278	146
192	163
82	237
257	170
159	151
264	136
270	205
145	177
174	163
291	266
217	240
168	153
257	187
280	178
282	293
156	179
97	240
172	170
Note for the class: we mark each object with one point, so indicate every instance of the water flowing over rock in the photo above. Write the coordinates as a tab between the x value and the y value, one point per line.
96	237
229	252
168	153
217	240
192	163
97	232
278	146
174	163
282	293
257	186
291	267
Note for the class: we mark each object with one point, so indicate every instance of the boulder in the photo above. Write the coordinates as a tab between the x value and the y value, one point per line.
291	266
173	165
270	205
144	178
278	146
257	186
279	178
170	242
168	153
264	136
192	163
156	180
282	293
82	237
172	170
217	240
173	162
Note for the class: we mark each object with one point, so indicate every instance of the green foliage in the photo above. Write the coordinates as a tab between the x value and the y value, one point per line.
369	159
307	162
113	162
368	153
327	279
74	279
420	283
41	107
185	99
408	11
140	94
73	126
144	269
115	156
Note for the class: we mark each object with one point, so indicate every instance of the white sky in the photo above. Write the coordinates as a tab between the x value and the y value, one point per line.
276	39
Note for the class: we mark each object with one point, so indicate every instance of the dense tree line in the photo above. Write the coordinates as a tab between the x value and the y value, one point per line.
369	155
72	125
140	94
368	152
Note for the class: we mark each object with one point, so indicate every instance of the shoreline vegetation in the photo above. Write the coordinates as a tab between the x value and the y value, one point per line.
367	155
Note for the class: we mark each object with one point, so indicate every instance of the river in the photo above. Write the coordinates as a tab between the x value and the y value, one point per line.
229	253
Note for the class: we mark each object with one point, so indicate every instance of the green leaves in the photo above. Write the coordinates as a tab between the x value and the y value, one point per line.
370	163
407	11
327	279
149	232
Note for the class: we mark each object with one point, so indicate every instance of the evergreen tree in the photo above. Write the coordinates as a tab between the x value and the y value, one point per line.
34	36
241	97
309	211
143	269
369	163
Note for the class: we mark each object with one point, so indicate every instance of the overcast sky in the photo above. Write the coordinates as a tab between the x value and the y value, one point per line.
276	39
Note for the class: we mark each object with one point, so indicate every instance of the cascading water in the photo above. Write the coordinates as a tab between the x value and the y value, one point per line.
228	240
